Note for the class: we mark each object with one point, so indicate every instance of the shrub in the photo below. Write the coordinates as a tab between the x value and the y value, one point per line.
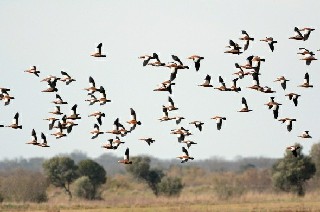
83	188
170	186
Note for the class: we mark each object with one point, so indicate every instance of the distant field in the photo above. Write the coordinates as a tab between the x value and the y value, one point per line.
263	206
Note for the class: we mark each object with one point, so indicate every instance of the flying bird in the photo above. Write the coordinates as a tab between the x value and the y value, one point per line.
33	70
305	134
196	59
126	159
270	42
98	52
246	38
244	106
197	124
206	82
294	149
15	122
288	122
294	97
283	81
133	121
306	82
185	157
66	78
219	120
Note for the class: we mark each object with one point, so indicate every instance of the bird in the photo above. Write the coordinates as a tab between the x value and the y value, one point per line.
34	140
307	31
126	159
188	143
185	157
222	85
148	140
266	89
294	97
171	106
165	87
116	128
240	73
179	119
165	116
74	115
33	70
59	100
234	86
283	81
44	142
67	78
294	149
59	133
234	48
6	97
147	58
108	145
255	82
96	131
49	78
51	121
197	124
92	100
103	98
288	122
98	116
306	81
98	52
248	65
308	57
92	86
196	59
56	111
297	35
52	85
177	59
133	121
15	122
274	106
244	106
219	120
116	142
305	134
67	124
181	131
270	42
246	38
206	82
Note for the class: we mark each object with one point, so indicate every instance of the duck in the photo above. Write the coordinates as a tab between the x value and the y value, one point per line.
206	82
197	124
171	105
51	86
44	142
297	35
92	86
6	97
98	116
222	85
219	120
59	133
181	131
307	31
103	98
15	122
185	157
234	86
294	149
244	106
108	145
266	89
117	142
255	82
283	81
56	111
92	100
74	115
146	58
306	82
133	122
241	74
179	119
188	142
248	65
246	38
294	97
49	78
115	129
148	140
165	116
165	87
34	140
308	57
270	42
305	134
274	106
51	120
177	59
98	52
234	48
33	70
67	124
196	59
288	122
96	131
58	100
66	78
126	159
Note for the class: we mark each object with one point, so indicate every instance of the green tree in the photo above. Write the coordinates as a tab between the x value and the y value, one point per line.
95	172
84	188
170	186
315	156
290	173
61	172
141	171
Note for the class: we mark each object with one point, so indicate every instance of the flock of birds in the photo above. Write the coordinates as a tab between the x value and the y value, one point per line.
64	123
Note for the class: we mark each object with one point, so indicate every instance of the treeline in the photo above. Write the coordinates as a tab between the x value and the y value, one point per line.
29	180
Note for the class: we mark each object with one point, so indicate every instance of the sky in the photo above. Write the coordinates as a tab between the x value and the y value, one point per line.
61	35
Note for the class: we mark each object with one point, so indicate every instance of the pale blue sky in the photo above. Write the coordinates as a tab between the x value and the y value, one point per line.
61	35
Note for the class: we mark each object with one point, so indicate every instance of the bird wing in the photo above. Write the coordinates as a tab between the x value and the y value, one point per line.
91	82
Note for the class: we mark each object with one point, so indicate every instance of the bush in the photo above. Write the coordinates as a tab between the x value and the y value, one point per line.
83	188
22	186
170	186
